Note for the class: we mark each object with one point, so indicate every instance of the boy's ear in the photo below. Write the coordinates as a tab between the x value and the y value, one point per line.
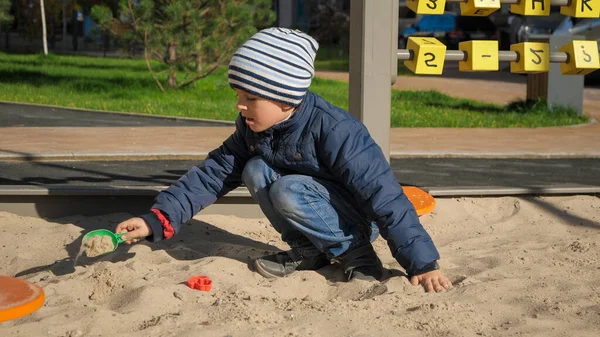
286	108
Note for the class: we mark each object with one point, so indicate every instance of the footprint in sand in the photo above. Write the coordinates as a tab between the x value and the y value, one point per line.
358	290
463	280
502	210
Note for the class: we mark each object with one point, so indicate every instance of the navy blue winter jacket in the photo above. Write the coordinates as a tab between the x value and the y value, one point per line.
319	140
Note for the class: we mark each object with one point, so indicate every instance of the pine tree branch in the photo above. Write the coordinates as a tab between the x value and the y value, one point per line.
156	55
129	4
148	61
214	67
185	84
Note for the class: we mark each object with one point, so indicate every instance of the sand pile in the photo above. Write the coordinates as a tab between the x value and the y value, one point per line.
97	245
521	266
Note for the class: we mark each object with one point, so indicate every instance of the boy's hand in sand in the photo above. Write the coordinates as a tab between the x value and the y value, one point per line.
432	281
135	228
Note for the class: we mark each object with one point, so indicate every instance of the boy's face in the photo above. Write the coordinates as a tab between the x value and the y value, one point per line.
261	113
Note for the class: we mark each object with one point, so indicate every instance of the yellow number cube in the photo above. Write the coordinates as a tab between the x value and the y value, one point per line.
428	55
481	56
582	9
531	7
426	6
534	57
583	57
479	7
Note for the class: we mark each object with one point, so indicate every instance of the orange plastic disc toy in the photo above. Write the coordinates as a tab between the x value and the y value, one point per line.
423	201
18	298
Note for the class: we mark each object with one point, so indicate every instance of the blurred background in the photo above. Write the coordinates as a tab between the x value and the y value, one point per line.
72	27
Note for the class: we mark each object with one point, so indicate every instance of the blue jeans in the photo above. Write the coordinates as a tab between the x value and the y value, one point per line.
312	215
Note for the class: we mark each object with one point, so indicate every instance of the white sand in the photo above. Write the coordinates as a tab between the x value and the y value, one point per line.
521	267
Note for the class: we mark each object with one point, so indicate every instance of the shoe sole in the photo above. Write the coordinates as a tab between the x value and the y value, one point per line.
263	272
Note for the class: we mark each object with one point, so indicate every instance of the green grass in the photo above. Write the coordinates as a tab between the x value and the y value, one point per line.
125	85
332	59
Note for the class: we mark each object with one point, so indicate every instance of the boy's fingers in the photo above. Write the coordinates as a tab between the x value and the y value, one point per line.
125	238
428	285
436	285
130	234
125	227
128	242
431	284
131	241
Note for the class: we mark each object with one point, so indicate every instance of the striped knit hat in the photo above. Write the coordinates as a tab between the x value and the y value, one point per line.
276	64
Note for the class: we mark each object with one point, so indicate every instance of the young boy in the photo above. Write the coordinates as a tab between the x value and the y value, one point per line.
315	171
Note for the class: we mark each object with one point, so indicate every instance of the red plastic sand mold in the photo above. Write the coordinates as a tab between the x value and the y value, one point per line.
202	283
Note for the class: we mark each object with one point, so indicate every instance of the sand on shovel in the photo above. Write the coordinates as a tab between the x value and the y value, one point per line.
97	245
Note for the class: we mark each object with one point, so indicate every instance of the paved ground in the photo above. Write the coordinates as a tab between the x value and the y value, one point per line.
18	143
21	115
423	172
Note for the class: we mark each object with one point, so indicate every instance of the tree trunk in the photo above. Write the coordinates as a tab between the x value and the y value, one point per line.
172	79
172	72
199	63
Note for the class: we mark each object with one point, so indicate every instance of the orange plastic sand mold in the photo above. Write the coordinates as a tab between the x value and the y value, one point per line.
18	298
423	201
200	282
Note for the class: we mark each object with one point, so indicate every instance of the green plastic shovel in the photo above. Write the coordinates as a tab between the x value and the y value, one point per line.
115	238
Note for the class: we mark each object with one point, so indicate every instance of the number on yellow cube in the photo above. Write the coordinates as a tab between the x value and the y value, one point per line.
531	7
426	6
481	56
428	55
534	57
479	7
583	57
582	9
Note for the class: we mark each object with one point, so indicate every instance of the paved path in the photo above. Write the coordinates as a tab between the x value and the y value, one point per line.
165	142
424	172
32	115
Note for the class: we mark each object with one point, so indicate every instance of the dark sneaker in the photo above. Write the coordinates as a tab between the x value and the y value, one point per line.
361	263
285	263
